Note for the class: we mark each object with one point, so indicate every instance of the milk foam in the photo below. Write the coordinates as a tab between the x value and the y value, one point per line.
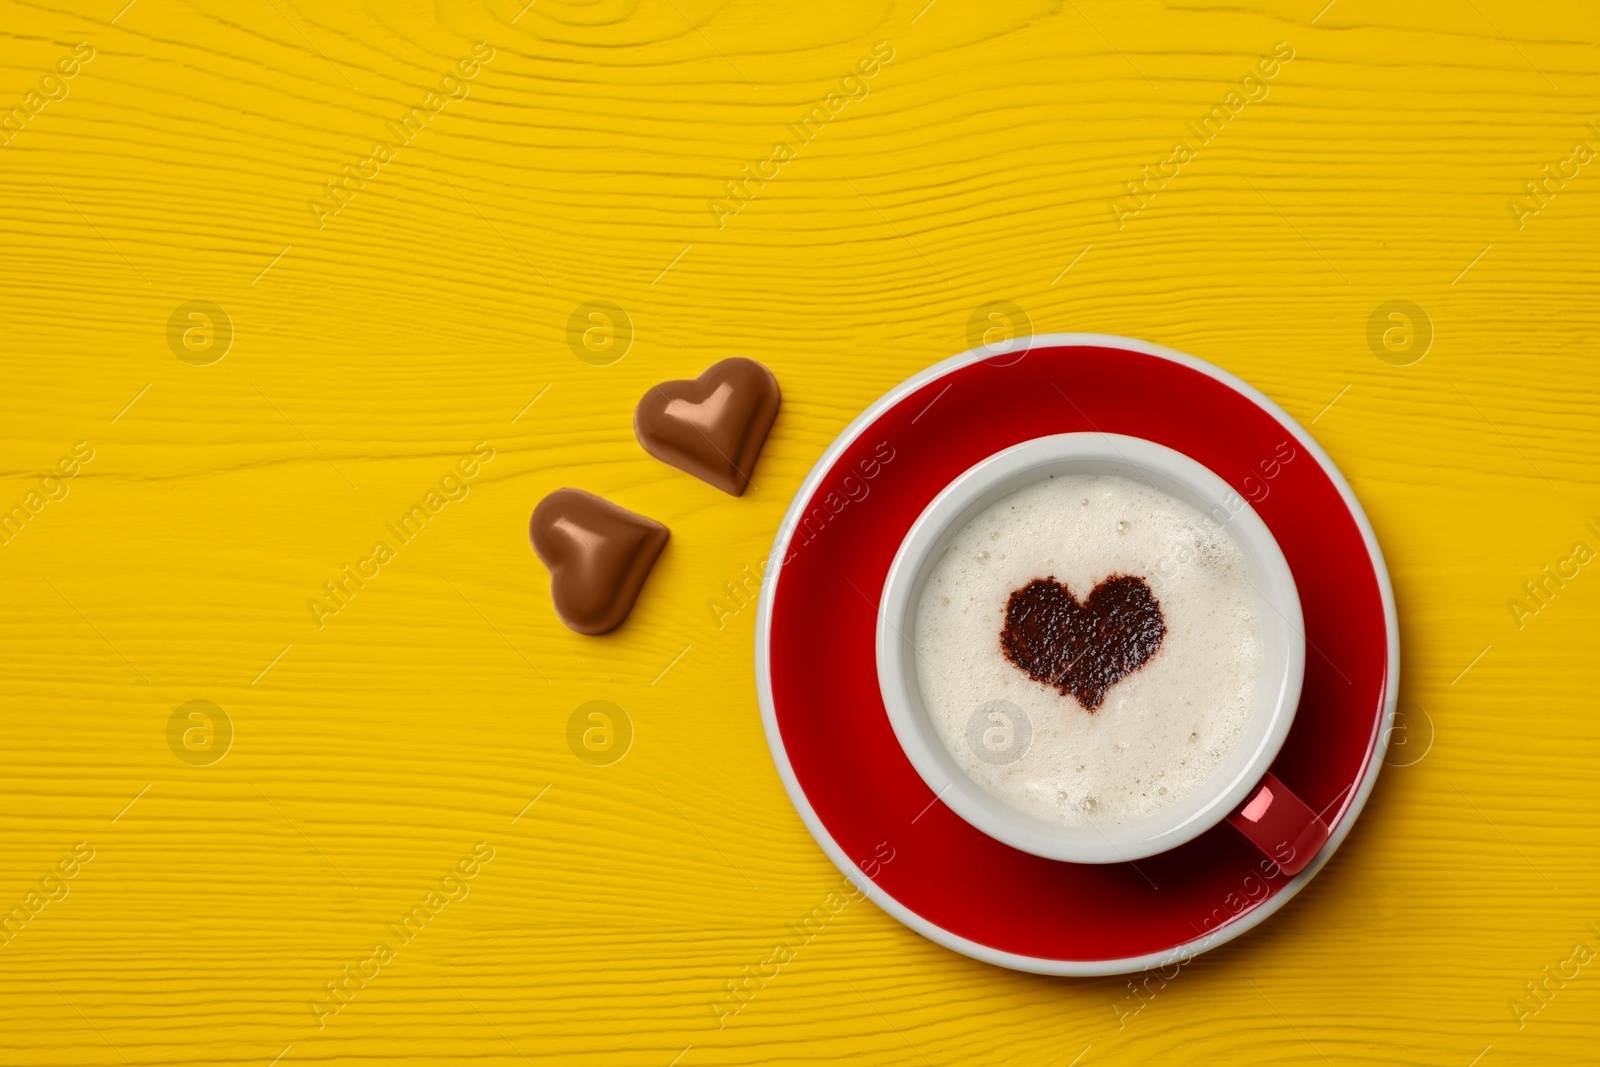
1163	729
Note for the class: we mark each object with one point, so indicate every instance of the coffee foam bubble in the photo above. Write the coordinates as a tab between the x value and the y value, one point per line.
1164	729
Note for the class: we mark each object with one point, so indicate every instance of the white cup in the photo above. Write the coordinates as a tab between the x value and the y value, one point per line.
1244	770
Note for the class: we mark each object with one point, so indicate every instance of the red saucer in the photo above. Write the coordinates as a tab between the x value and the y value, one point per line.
817	672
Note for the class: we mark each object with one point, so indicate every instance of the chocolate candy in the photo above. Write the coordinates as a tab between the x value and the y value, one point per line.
598	554
713	426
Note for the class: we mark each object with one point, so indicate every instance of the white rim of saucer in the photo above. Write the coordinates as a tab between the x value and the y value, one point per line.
931	930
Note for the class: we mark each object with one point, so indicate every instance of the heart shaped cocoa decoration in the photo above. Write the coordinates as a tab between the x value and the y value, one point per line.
1082	650
599	556
713	426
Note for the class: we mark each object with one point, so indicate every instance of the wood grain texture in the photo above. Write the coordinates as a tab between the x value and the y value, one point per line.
373	753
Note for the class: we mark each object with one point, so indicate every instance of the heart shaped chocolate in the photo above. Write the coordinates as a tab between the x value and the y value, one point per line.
713	426
599	555
1082	650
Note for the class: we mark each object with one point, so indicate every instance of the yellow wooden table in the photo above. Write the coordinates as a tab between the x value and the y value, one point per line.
272	269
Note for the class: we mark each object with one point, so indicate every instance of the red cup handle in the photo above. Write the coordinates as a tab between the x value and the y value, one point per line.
1281	825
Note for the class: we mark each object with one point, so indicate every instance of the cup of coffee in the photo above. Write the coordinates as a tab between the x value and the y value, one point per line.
1091	648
